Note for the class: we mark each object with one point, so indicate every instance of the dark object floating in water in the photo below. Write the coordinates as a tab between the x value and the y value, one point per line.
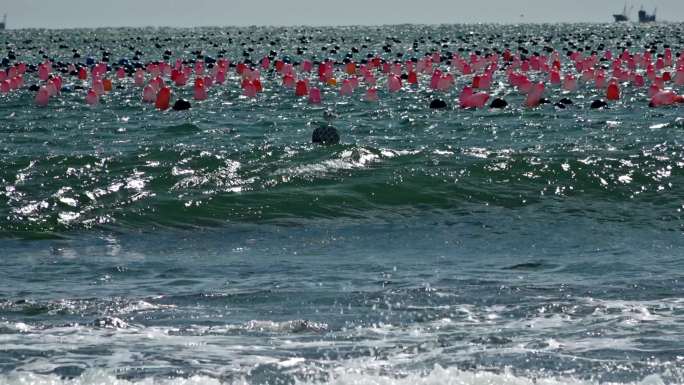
498	103
598	104
181	105
34	87
560	105
565	101
437	104
526	266
325	135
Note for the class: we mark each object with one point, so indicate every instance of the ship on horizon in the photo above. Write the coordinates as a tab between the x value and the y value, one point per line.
623	16
3	25
644	17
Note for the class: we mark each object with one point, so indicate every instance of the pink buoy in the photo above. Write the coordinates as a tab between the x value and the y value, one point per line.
569	83
679	77
180	79
412	78
653	90
200	92
208	82
639	81
43	72
306	66
434	80
535	95
445	82
92	98
663	98
51	87
302	89
289	81
98	87
5	86
249	89
199	67
394	83
315	96
478	100
149	94
555	77
600	79
372	95
463	98
42	97
346	89
139	77
221	77
17	82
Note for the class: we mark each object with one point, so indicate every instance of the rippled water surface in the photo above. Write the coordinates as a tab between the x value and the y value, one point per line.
218	245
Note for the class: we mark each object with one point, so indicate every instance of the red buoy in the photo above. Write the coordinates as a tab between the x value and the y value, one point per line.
613	92
163	98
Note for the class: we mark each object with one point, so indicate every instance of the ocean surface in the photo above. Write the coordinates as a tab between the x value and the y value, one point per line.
218	245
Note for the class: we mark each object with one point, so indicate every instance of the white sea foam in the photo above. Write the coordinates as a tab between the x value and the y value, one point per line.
336	376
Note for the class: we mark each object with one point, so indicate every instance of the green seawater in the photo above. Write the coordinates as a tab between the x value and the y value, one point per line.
455	246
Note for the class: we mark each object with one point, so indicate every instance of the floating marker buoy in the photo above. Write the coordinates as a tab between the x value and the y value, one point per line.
535	95
663	98
326	135
613	92
372	95
394	83
498	103
181	105
438	104
302	89
315	96
92	98
569	83
149	94
249	89
596	104
346	89
42	97
163	99
5	86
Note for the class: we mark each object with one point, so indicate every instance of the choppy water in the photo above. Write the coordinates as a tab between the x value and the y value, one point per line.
439	247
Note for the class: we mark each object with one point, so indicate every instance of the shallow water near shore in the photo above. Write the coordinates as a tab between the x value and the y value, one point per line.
218	245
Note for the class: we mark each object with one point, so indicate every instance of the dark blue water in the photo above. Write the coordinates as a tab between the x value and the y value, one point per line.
218	245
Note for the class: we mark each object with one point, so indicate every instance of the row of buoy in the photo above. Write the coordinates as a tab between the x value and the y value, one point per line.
157	78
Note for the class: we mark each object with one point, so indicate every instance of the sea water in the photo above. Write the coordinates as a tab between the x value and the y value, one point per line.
218	245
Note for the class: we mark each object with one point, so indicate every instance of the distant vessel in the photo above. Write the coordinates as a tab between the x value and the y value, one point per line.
622	16
645	17
4	23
